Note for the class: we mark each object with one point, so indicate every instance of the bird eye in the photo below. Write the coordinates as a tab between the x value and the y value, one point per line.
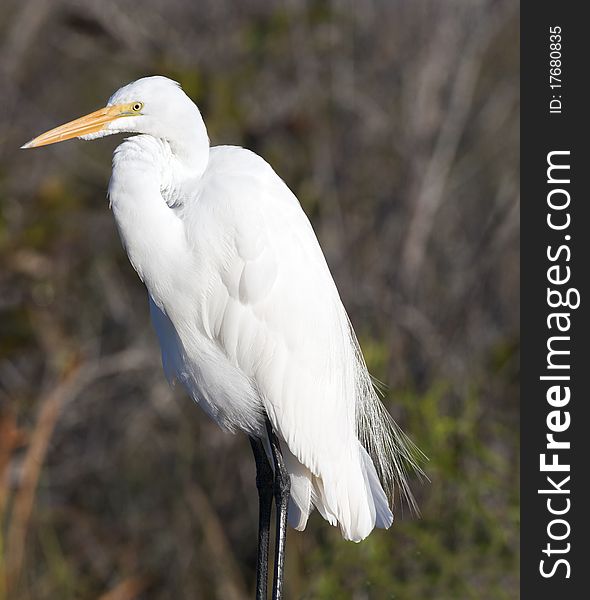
137	106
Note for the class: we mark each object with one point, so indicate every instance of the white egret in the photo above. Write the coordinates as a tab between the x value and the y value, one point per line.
247	314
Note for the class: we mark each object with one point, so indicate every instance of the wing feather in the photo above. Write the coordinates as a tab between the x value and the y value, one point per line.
269	306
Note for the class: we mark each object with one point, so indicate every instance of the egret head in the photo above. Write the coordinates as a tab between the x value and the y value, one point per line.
155	106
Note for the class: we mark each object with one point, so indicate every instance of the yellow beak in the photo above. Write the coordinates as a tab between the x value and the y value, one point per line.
92	123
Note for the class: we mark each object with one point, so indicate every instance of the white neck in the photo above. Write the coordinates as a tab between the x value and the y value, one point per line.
190	145
151	232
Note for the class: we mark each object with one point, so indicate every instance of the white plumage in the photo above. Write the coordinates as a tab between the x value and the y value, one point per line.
247	314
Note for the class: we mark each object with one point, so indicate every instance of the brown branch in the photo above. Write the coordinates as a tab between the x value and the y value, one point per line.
228	580
31	469
73	381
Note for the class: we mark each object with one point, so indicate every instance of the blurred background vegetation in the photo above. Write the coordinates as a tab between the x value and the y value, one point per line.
396	124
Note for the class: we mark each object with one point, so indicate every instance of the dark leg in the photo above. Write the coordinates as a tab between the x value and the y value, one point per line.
264	483
282	488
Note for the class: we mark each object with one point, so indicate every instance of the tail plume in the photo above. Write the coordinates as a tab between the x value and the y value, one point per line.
392	451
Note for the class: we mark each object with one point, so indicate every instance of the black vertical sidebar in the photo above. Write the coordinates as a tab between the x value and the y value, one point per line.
555	264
